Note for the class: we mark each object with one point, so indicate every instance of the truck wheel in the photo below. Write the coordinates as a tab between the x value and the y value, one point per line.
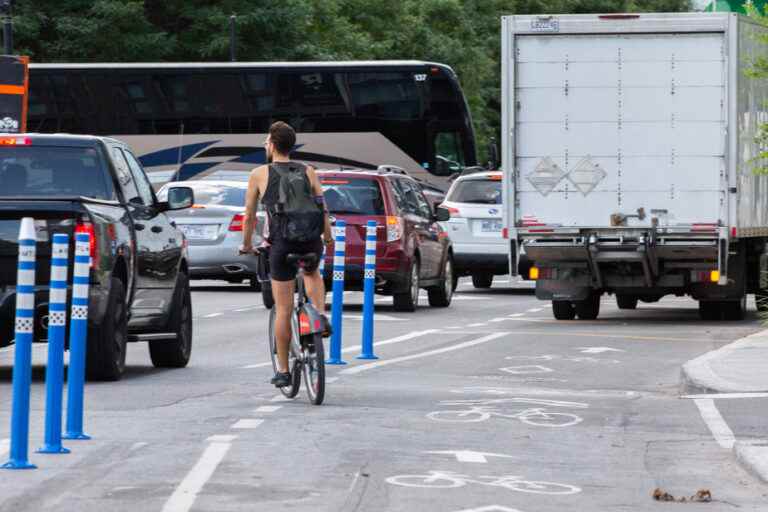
563	310
409	300
626	302
176	353
735	310
589	308
482	281
709	310
105	353
266	295
440	296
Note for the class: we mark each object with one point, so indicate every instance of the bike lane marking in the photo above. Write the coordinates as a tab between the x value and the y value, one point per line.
386	362
714	420
268	408
470	456
247	424
398	339
185	495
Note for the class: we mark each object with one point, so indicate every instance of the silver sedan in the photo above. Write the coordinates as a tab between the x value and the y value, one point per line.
214	230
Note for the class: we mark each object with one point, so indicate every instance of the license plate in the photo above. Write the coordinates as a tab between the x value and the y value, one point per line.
200	231
491	226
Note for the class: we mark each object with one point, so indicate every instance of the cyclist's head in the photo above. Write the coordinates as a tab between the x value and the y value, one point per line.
281	139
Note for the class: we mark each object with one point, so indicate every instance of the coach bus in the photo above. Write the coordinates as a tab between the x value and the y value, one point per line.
194	118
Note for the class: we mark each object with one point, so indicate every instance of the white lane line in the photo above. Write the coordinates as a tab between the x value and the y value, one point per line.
329	380
716	396
535	310
477	325
186	493
138	446
385	318
714	420
280	398
246	424
268	408
5	445
517	315
6	349
496	320
249	308
377	364
212	315
398	339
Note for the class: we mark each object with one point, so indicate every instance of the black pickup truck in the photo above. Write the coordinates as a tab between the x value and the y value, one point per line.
139	287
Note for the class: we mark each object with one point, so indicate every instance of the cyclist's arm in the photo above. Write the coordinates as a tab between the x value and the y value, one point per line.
251	202
317	190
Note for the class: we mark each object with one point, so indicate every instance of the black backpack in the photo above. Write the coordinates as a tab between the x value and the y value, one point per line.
297	216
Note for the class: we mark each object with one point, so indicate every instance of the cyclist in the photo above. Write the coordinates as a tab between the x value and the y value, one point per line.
266	184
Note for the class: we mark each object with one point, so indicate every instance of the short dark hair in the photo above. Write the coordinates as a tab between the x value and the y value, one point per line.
283	137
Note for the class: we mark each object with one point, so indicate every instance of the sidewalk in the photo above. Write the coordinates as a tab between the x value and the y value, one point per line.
740	367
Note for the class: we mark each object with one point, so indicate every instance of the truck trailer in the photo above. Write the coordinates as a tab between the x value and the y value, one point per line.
629	152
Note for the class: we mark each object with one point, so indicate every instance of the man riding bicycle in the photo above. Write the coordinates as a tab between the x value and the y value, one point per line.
298	224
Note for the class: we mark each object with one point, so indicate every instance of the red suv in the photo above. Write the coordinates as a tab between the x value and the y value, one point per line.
412	250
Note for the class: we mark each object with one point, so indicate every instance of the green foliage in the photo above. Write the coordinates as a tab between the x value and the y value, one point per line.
759	71
461	33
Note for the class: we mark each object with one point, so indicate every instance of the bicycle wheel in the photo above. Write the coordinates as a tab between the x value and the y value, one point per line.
538	487
293	389
427	481
314	367
459	416
549	419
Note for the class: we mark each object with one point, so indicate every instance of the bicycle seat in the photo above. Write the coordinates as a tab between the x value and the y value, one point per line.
302	260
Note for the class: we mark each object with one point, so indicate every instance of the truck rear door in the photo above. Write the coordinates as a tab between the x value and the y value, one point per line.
619	126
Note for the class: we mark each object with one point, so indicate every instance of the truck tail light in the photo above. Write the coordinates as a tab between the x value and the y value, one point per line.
536	273
237	222
85	226
714	276
394	229
15	141
706	276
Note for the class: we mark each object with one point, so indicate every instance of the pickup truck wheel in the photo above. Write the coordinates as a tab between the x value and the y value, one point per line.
482	281
563	310
105	355
176	353
440	296
266	295
710	310
626	302
589	308
409	300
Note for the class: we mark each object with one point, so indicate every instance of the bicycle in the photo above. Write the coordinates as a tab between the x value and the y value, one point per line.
451	480
306	354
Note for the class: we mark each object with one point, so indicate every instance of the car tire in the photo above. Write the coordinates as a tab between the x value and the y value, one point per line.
563	310
589	308
482	281
441	296
105	353
735	310
626	302
255	285
409	301
710	310
266	295
176	353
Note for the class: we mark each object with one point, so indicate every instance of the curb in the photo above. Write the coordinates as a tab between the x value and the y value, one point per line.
697	375
753	457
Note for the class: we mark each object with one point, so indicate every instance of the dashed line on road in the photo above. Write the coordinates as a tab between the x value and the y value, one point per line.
481	324
377	364
280	398
213	315
5	445
535	310
183	498
249	308
516	315
714	420
330	380
247	424
268	408
716	396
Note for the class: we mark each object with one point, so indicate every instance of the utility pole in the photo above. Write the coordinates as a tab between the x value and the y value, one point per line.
5	10
232	38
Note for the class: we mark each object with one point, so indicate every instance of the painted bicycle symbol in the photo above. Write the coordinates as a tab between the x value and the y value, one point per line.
450	480
482	410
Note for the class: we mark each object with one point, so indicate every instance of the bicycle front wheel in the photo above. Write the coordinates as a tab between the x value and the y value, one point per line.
550	419
314	367
291	390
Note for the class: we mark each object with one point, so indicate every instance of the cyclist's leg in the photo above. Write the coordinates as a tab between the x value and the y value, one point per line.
283	293
315	289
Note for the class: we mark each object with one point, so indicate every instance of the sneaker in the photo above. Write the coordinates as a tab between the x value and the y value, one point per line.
281	380
327	329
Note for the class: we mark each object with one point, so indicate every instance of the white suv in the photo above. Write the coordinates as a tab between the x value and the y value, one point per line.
474	201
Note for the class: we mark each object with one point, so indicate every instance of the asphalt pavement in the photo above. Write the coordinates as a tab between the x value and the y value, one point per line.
489	405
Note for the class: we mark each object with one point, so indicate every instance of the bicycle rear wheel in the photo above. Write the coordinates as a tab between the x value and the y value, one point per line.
295	367
314	367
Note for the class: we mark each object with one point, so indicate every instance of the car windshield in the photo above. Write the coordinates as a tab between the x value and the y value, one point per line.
52	171
477	191
353	196
208	194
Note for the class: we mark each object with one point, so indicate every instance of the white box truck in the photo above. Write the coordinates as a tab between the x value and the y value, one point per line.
628	156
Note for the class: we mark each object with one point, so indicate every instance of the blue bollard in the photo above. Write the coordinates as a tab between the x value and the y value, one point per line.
369	291
22	364
78	336
57	333
337	307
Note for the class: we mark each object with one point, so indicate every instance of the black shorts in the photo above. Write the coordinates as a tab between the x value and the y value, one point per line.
280	269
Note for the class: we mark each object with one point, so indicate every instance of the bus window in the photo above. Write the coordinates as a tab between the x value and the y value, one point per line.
449	156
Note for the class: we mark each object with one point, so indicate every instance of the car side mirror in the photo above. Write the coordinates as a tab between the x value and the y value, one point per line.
442	214
179	198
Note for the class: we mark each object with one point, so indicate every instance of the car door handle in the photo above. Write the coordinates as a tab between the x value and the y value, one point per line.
139	227
156	229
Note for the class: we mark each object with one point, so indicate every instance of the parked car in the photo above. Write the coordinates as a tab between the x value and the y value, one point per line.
475	227
214	230
139	286
412	251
